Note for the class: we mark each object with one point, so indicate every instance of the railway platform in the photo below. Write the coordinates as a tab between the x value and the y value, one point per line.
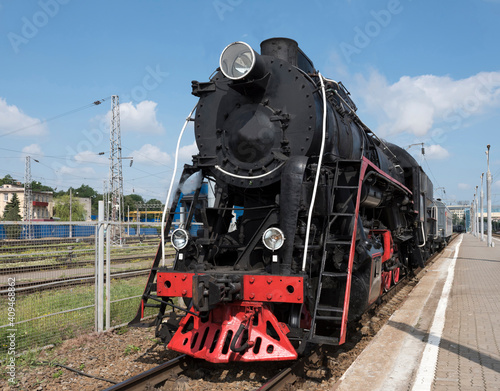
446	335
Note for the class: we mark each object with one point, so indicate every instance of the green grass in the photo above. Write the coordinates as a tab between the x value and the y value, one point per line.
54	329
131	349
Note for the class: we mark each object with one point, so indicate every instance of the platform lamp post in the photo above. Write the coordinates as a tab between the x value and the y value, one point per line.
489	242
473	215
472	228
476	219
477	212
481	215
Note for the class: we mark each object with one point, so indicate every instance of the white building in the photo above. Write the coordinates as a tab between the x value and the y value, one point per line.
42	201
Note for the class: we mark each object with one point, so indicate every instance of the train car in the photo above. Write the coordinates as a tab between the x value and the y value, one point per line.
313	216
444	224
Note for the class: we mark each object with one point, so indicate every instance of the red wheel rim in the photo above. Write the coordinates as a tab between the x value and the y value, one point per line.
387	280
395	275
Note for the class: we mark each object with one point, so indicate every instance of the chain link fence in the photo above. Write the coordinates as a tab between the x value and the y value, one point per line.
49	279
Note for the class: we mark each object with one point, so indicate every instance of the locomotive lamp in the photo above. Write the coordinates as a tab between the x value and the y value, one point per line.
238	60
179	238
273	238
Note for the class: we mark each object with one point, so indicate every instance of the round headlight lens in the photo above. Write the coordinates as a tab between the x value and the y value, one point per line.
179	238
273	238
237	60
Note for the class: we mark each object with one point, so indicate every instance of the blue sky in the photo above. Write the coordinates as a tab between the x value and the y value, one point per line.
419	71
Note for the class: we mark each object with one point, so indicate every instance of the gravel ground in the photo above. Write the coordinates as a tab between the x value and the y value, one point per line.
115	355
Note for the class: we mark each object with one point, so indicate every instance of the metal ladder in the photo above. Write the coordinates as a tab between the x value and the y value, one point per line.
329	312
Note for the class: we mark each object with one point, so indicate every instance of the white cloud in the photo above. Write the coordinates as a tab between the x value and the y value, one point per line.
138	119
497	184
416	104
14	121
91	157
150	154
436	152
33	149
463	186
186	152
77	171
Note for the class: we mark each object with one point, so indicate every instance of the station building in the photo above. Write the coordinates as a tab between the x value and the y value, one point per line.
43	201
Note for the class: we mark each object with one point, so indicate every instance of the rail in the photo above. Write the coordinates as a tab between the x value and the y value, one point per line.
149	379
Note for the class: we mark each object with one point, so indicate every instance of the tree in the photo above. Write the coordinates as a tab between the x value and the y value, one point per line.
130	202
154	204
37	186
86	191
61	209
7	179
12	210
12	213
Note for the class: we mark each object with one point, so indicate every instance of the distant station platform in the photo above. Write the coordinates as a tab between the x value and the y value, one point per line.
446	335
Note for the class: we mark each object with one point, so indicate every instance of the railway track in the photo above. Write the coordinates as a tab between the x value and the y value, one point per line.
34	254
44	242
72	264
38	286
150	379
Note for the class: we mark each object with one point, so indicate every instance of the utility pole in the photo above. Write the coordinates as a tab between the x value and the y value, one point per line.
70	210
476	207
481	211
28	196
115	173
489	242
475	214
471	217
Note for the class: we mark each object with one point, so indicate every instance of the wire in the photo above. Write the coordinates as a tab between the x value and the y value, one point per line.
429	167
95	103
172	185
60	157
318	169
145	156
77	371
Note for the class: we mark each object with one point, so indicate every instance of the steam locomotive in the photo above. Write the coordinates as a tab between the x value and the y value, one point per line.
310	217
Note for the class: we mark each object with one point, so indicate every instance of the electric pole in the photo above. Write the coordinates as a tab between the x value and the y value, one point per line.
115	199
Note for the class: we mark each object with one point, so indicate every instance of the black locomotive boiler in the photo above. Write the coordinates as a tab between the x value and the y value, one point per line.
312	217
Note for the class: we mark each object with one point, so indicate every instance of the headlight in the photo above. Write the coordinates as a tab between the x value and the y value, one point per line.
179	238
237	60
273	238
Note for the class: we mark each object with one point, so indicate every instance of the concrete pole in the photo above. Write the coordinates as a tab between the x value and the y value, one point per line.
70	202
108	277
138	219
477	212
472	218
476	226
100	270
481	223
489	242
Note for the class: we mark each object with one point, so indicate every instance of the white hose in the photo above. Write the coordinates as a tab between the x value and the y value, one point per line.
316	180
423	235
167	202
246	176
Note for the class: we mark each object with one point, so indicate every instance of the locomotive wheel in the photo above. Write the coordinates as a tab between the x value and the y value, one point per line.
387	279
395	276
